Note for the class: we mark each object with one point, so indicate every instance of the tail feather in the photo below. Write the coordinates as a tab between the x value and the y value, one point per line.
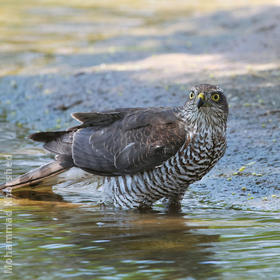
36	176
57	142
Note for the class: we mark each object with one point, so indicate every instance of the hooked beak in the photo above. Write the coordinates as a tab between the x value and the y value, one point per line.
200	100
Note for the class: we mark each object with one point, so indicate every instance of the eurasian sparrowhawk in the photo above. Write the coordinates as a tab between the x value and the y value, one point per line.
142	154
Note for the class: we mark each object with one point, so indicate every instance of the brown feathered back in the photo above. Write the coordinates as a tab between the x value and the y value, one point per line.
124	141
140	140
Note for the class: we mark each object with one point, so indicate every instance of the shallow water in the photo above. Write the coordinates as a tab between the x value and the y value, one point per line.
65	235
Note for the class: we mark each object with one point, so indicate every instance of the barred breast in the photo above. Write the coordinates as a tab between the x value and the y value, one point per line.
194	159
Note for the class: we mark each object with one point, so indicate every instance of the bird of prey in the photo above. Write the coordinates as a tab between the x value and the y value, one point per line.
141	154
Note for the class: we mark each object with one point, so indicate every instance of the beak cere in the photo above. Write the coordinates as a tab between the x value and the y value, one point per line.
200	100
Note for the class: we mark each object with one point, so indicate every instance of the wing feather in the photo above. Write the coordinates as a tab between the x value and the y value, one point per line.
137	140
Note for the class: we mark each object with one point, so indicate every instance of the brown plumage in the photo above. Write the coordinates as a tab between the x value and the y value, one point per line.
136	148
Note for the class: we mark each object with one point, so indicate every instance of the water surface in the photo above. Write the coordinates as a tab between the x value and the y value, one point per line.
65	235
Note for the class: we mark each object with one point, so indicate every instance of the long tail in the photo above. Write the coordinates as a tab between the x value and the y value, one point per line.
39	175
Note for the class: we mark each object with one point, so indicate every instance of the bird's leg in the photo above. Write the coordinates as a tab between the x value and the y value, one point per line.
173	202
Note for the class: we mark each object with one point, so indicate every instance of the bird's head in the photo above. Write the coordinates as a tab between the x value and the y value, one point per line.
207	102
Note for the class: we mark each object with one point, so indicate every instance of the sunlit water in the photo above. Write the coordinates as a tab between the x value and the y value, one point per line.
65	235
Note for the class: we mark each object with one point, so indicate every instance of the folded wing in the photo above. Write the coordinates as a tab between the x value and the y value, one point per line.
126	141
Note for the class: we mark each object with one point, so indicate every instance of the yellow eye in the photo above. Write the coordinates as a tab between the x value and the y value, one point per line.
215	97
191	95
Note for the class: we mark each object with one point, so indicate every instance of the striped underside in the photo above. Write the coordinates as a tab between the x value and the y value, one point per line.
169	180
